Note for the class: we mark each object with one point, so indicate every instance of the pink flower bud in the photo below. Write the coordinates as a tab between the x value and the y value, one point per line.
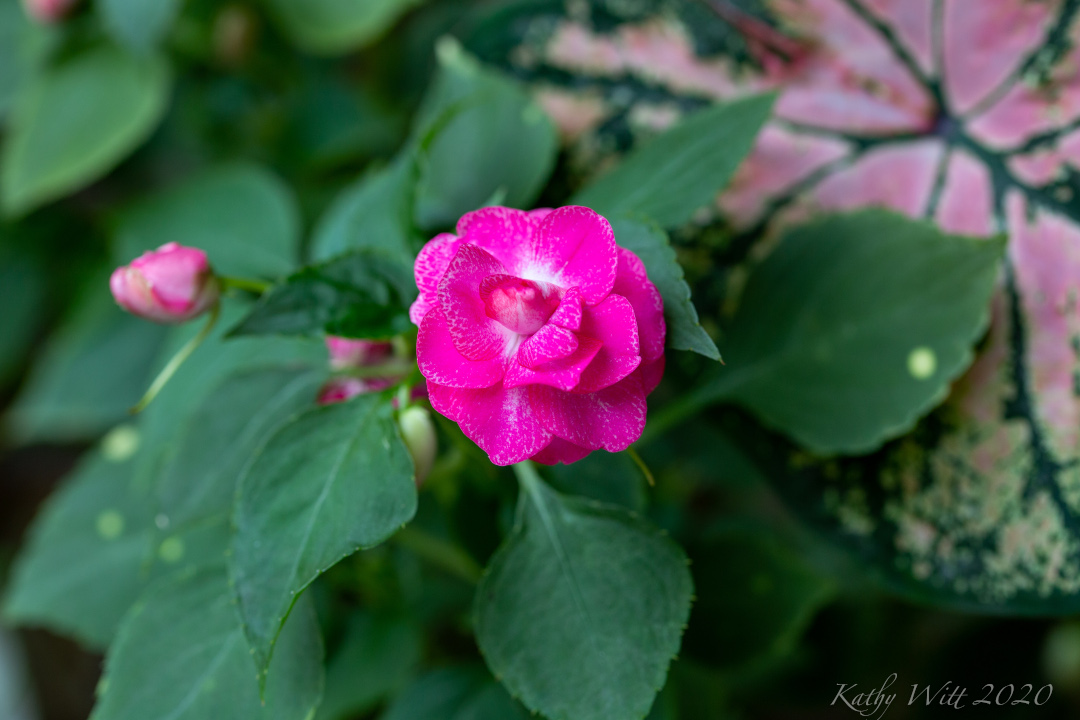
349	353
49	11
172	284
419	435
340	389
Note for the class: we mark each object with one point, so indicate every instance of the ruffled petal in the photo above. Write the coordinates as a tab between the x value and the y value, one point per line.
441	363
560	451
633	283
503	422
575	247
613	323
431	264
506	233
568	314
612	418
564	373
550	342
475	335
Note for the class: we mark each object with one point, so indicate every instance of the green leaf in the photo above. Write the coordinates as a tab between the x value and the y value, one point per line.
330	482
200	475
333	27
22	43
93	369
755	597
378	656
582	608
76	121
683	170
488	138
375	212
181	655
140	25
243	216
608	477
365	294
459	693
855	326
23	290
95	547
651	244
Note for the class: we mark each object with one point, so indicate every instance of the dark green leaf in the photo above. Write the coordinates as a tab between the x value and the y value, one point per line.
681	171
607	477
332	481
855	326
755	597
365	294
333	27
489	139
582	608
455	694
375	212
140	25
377	657
21	46
200	475
244	217
23	288
93	369
181	655
650	243
74	122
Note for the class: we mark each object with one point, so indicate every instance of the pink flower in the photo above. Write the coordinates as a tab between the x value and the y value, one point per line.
340	389
49	11
172	284
347	353
539	336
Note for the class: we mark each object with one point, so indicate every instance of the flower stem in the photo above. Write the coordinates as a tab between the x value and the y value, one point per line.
641	466
249	284
177	360
436	551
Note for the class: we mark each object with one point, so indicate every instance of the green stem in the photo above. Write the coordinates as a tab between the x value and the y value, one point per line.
249	284
528	477
641	466
177	360
452	559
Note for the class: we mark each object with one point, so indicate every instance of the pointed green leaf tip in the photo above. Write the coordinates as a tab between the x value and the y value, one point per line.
583	607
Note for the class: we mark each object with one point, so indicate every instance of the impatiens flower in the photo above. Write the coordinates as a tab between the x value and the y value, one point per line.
347	352
340	389
539	336
172	284
48	11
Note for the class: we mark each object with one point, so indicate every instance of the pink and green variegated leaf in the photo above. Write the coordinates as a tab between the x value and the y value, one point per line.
967	113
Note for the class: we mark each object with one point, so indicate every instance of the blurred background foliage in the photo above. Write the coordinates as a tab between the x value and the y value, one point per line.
269	130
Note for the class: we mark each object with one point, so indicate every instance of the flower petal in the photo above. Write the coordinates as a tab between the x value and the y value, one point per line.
431	264
633	283
506	233
651	374
475	335
550	342
564	373
502	422
613	323
568	314
612	418
440	362
575	246
560	451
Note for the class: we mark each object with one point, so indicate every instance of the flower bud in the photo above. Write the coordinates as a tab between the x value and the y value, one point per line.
339	389
349	353
49	11
419	435
172	284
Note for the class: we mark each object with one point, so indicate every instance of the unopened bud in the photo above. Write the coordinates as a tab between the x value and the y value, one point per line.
172	284
419	436
340	389
349	353
49	11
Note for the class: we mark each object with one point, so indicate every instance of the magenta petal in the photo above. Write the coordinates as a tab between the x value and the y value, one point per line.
564	373
522	306
441	363
568	314
575	246
612	418
613	323
506	233
560	451
431	264
502	422
551	342
651	374
633	284
475	335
